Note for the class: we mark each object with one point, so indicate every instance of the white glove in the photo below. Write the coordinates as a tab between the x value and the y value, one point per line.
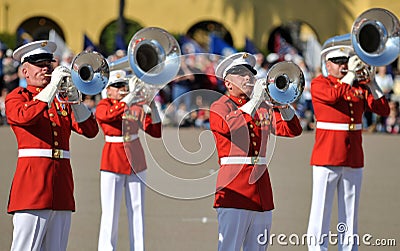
133	81
129	98
81	112
153	111
375	89
353	65
257	97
287	113
155	116
73	94
48	93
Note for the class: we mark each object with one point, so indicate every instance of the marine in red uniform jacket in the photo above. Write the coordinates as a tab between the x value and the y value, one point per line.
116	119
238	134
338	102
41	182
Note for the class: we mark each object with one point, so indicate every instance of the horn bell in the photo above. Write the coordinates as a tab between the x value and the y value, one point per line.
285	83
90	72
154	55
375	37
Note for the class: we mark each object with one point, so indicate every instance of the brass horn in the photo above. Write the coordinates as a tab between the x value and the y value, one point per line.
375	37
153	56
90	72
284	83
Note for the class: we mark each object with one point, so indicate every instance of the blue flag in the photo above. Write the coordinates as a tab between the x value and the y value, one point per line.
250	47
88	45
189	45
219	46
120	43
24	35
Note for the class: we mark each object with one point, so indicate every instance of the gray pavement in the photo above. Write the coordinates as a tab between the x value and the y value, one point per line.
175	222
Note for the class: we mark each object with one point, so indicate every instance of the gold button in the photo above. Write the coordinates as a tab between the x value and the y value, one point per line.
256	152
240	101
54	124
351	112
251	126
123	104
111	110
252	134
126	122
51	114
254	143
128	128
351	104
348	98
26	105
55	133
116	107
352	119
56	143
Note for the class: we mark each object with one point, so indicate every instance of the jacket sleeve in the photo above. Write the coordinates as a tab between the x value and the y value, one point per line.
21	110
88	128
227	121
325	91
106	112
284	128
379	106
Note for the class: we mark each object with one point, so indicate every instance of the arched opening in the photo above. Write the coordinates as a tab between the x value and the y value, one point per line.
109	40
200	33
296	37
37	28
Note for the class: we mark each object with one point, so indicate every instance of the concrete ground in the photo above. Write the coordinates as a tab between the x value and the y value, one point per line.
178	211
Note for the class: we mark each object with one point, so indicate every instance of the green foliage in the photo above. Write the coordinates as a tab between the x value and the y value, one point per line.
10	40
107	39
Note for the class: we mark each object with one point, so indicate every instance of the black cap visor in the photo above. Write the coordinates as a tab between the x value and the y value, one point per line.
37	58
242	70
119	84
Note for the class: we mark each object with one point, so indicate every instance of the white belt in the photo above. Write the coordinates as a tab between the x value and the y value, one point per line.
338	126
121	139
243	160
49	153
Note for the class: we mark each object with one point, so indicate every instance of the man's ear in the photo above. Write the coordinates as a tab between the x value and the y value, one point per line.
228	84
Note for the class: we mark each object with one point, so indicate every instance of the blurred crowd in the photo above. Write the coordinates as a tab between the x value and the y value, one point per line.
185	101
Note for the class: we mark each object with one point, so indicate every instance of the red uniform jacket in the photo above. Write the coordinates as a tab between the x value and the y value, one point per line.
41	182
245	186
338	102
116	120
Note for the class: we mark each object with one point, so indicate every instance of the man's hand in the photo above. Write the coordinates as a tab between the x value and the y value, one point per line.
48	93
353	66
257	97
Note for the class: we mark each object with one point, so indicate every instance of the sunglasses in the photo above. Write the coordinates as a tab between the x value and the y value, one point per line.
340	60
42	64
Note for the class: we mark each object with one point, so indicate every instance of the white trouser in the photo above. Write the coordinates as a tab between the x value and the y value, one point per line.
347	182
41	230
112	186
243	228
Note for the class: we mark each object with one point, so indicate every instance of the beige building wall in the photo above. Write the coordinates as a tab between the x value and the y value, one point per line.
254	19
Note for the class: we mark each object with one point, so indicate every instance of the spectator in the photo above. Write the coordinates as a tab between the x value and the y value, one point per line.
3	118
10	71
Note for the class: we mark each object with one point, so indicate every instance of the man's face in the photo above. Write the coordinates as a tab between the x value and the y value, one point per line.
240	84
37	74
117	93
337	66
